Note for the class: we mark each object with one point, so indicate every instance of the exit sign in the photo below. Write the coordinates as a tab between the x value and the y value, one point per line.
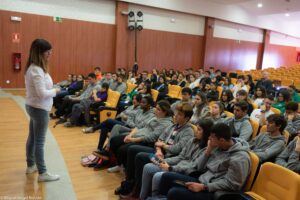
57	19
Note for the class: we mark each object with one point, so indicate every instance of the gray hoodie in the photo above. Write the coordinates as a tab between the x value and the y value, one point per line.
226	170
141	118
289	158
267	147
119	87
242	127
185	162
183	135
293	126
130	112
154	129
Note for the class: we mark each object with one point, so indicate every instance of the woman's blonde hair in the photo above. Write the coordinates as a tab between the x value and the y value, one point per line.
37	49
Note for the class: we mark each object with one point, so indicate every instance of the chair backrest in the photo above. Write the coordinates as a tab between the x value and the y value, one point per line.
220	90
276	182
130	87
112	98
276	111
174	91
154	94
255	127
228	114
286	134
254	166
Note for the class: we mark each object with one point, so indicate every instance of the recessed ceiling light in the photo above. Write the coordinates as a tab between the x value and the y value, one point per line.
259	5
287	14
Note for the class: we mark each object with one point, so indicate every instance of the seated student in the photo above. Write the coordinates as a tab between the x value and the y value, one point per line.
194	83
97	71
186	97
170	143
162	87
119	85
283	98
293	118
201	109
217	112
226	100
143	136
240	124
242	95
107	79
269	145
124	118
174	80
211	92
183	163
294	95
225	166
260	114
66	108
140	120
259	95
97	99
290	157
181	80
240	85
65	83
227	85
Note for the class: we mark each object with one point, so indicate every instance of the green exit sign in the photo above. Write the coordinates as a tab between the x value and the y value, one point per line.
57	19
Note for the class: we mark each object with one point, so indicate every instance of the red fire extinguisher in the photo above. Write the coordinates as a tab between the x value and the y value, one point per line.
16	59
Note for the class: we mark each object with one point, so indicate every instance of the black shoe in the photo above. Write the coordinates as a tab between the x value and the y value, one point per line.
102	154
101	164
125	188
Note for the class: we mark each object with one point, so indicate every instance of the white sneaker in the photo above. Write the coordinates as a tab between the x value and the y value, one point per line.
47	177
114	169
31	169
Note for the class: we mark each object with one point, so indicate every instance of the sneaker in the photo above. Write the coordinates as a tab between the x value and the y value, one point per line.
31	169
68	124
114	169
47	177
88	130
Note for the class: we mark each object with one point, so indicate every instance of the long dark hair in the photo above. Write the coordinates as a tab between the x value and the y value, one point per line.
203	104
37	49
206	125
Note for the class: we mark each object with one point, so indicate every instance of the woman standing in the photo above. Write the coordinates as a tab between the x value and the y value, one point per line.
39	100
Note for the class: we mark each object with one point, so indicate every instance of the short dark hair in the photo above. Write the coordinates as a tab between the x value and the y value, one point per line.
186	109
292	106
270	96
138	97
243	105
242	92
279	120
98	68
149	99
105	85
221	130
286	95
241	77
92	75
165	106
187	90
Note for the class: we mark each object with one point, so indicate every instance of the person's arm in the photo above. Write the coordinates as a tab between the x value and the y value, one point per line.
293	125
38	77
237	173
284	155
246	131
271	151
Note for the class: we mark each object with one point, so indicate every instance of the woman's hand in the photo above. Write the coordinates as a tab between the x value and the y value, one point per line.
195	187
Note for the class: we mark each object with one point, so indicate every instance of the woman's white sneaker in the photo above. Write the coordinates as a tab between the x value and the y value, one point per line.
47	177
31	169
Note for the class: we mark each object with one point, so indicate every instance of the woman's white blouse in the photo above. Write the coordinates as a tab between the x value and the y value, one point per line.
39	88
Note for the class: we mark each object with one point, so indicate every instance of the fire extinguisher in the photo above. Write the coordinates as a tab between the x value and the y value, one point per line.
16	61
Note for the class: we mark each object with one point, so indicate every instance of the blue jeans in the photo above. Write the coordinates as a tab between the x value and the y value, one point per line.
173	191
38	126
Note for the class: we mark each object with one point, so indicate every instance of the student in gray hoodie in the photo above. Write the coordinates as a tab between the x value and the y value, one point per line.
293	118
269	145
240	124
146	135
290	157
186	97
170	143
183	163
225	166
